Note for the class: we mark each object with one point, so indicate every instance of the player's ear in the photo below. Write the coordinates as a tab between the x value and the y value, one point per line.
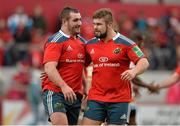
110	24
64	21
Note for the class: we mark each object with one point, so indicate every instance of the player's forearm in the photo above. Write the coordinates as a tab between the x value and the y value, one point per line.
137	81
54	76
141	66
169	81
84	81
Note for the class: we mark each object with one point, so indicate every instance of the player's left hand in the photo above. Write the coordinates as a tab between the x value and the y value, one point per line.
43	76
128	75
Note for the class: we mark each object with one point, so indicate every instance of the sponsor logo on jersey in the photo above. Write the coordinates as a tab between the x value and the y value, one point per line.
138	52
106	65
80	56
117	51
103	59
75	61
69	48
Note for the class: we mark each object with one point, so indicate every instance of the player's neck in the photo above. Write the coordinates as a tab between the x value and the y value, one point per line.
66	31
110	34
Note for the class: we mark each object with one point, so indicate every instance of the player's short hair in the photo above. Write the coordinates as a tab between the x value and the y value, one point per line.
105	13
66	11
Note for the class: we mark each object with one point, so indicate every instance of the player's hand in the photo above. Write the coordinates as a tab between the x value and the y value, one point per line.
153	88
69	94
128	75
43	76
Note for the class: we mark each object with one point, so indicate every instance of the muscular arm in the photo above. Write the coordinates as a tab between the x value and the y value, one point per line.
141	66
53	74
55	77
85	91
137	81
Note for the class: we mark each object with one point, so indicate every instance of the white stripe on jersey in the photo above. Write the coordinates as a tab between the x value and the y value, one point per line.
125	38
56	37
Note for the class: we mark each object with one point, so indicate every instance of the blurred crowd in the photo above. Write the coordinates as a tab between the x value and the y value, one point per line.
21	45
22	36
161	36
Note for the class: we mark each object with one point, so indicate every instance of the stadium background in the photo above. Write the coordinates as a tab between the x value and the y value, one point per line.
158	20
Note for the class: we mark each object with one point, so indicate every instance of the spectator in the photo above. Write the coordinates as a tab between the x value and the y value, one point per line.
20	82
126	24
39	21
17	18
22	39
2	84
34	94
141	22
6	43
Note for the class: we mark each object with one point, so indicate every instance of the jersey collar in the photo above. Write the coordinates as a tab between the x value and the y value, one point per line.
116	36
68	36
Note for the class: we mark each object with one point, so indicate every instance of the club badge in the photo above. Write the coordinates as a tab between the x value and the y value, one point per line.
117	50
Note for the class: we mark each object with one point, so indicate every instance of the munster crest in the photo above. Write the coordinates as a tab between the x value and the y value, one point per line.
117	50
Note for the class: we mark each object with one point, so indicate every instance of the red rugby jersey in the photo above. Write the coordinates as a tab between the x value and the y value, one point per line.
109	61
178	69
70	55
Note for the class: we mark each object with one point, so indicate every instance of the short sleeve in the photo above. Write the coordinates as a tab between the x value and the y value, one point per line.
52	52
135	53
178	70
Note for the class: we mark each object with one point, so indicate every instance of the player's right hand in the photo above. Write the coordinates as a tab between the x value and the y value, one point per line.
69	94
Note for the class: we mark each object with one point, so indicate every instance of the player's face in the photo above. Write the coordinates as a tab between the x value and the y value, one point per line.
100	28
74	23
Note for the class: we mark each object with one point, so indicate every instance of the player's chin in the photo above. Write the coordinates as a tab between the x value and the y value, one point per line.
97	34
77	30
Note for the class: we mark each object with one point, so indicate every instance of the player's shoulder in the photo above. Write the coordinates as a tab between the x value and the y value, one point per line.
121	39
58	37
93	41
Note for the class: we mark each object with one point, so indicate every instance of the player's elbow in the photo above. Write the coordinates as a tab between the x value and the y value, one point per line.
145	63
46	68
